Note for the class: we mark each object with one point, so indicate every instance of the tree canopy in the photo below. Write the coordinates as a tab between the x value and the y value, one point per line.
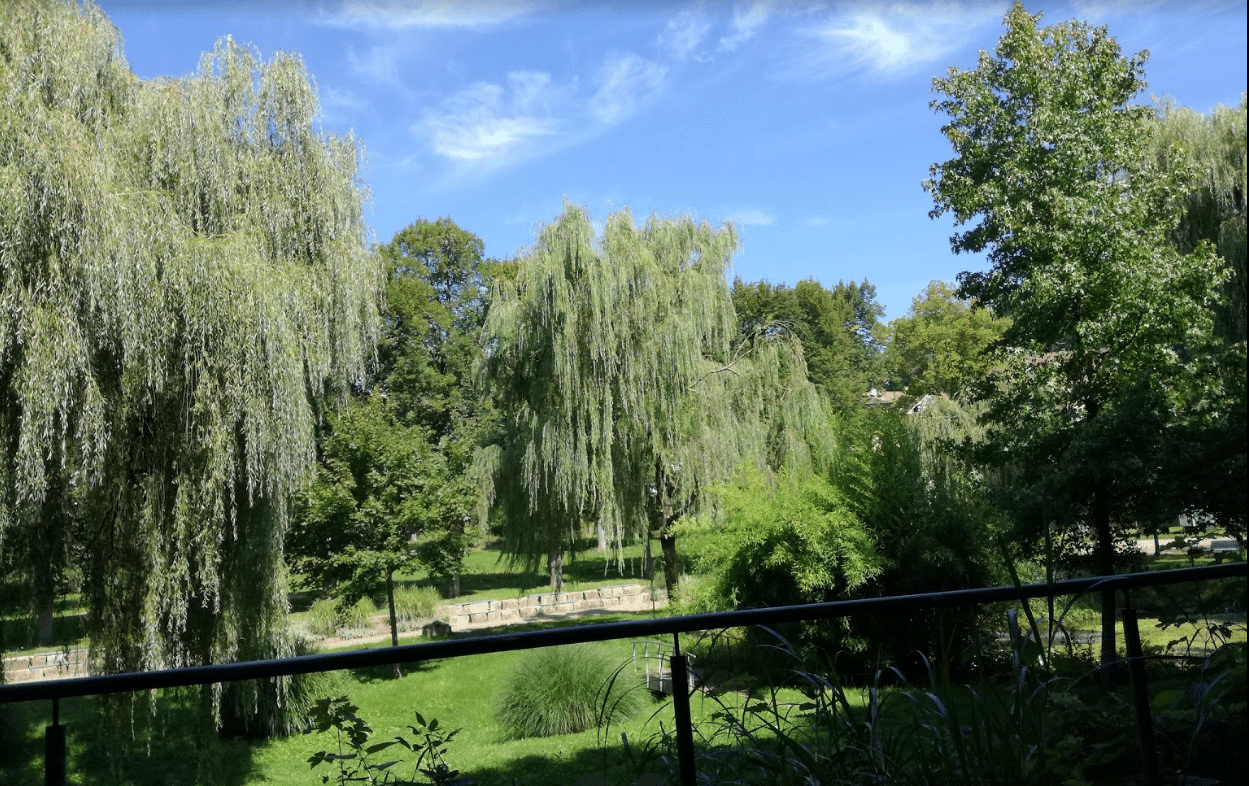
839	330
624	387
383	501
942	343
183	272
1111	323
1210	150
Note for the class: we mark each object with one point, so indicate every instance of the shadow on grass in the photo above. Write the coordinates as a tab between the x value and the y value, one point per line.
166	747
561	766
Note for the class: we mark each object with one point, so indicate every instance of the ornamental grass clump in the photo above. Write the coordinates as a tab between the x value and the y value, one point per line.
415	606
565	690
354	620
323	618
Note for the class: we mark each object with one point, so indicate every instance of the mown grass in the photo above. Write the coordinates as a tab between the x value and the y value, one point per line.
459	692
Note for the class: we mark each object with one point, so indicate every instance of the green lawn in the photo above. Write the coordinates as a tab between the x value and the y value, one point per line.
458	692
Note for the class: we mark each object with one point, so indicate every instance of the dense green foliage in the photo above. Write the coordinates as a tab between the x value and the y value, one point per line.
183	272
565	690
624	388
780	543
383	501
1211	151
926	509
838	328
941	345
1112	339
435	308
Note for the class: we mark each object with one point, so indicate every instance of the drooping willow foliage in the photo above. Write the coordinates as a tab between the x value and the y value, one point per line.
625	388
1213	149
183	272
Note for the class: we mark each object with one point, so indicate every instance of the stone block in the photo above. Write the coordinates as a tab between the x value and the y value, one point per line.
436	628
510	604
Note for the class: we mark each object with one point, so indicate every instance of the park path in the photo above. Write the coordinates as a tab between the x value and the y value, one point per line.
63	664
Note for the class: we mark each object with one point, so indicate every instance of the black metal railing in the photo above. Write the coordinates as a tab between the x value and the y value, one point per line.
674	626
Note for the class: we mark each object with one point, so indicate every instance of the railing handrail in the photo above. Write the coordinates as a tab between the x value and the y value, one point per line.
481	645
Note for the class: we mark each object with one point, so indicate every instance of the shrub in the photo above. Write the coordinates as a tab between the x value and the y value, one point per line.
414	606
565	690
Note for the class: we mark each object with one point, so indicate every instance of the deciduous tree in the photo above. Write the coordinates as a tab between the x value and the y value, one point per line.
941	344
839	330
1110	319
183	272
383	501
434	311
625	387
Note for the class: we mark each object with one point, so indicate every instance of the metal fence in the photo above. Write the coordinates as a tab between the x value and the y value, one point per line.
55	763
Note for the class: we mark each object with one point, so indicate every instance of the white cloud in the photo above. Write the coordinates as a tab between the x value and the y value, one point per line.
429	14
333	98
623	80
893	39
747	19
379	64
757	217
683	34
817	221
484	121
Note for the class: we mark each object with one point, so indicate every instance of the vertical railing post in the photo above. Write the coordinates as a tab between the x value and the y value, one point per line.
1140	694
681	710
54	769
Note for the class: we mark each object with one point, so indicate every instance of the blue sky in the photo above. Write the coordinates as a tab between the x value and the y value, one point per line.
806	124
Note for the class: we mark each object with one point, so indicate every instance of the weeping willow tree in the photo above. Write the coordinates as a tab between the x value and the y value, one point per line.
1212	150
625	387
183	274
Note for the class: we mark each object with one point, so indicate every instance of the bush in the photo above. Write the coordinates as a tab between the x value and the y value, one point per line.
414	606
565	690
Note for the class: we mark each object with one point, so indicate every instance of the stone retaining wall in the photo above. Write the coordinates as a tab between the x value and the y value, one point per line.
46	665
500	612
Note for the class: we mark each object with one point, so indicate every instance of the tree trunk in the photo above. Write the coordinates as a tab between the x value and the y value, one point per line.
45	614
455	585
668	543
394	622
555	563
1106	567
648	563
602	539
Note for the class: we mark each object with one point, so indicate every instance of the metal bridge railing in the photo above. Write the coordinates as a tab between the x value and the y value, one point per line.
55	764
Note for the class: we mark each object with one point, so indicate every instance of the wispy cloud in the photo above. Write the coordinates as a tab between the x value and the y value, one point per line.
757	217
486	121
378	64
893	39
683	35
747	19
817	221
623	80
415	14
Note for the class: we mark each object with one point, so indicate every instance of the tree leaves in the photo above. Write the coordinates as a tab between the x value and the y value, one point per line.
182	274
